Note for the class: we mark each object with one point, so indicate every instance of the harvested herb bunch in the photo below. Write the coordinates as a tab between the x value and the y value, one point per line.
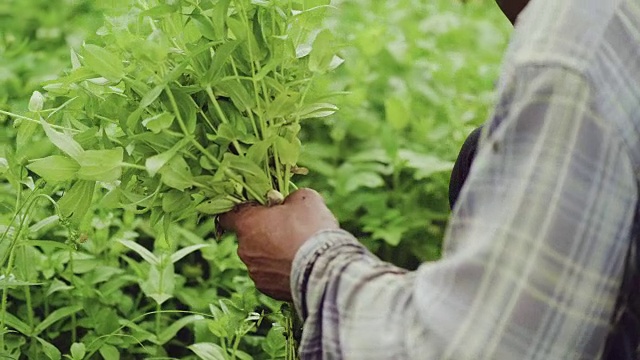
186	107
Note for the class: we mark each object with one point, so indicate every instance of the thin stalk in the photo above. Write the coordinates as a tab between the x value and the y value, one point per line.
202	113
26	206
10	263
183	127
236	344
158	318
250	113
287	179
206	153
27	295
253	71
224	346
262	133
223	117
4	298
74	334
278	174
253	62
35	121
132	166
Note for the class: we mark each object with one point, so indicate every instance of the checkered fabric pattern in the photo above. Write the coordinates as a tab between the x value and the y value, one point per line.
538	241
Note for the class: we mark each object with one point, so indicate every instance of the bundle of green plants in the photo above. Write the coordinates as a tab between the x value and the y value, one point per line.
186	107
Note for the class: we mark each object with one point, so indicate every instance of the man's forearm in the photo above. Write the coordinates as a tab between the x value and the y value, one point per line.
364	313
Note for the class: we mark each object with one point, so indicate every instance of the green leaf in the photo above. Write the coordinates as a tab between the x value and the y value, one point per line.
147	255
156	162
321	56
288	152
259	151
4	165
160	284
58	285
275	343
13	322
425	164
187	109
55	168
175	200
76	201
109	352
56	316
220	58
103	62
101	165
205	26
317	110
216	206
177	174
239	94
78	351
208	351
176	256
397	113
170	331
219	18
151	96
64	142
49	349
158	122
283	105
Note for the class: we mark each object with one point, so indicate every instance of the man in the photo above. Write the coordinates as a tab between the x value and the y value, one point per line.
537	244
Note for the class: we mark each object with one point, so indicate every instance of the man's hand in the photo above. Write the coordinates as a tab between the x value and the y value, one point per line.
269	237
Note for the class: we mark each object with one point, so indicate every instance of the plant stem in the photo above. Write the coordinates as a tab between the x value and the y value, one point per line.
133	166
27	295
158	318
4	298
35	121
262	132
11	249
287	179
74	334
183	127
223	117
278	174
204	151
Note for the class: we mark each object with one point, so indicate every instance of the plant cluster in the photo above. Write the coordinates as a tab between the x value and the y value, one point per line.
173	111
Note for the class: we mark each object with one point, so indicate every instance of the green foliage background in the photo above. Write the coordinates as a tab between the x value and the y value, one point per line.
418	77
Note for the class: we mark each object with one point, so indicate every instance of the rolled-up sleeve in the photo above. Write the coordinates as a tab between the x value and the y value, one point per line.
534	250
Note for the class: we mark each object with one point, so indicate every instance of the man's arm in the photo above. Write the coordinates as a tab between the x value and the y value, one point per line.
535	247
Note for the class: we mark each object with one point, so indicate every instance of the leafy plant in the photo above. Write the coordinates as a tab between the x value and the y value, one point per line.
175	110
189	107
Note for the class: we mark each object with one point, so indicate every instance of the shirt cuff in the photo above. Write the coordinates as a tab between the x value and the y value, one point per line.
306	258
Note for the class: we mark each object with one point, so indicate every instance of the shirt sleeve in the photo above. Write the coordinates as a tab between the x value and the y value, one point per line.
534	249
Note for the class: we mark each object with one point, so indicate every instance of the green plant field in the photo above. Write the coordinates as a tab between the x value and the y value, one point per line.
151	116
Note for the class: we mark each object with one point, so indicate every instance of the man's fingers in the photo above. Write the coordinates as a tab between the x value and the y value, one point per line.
231	219
235	219
306	195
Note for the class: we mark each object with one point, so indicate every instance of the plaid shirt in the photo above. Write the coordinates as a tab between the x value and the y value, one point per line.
536	246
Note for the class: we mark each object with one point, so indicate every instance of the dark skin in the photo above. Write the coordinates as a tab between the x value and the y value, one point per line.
270	237
512	8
